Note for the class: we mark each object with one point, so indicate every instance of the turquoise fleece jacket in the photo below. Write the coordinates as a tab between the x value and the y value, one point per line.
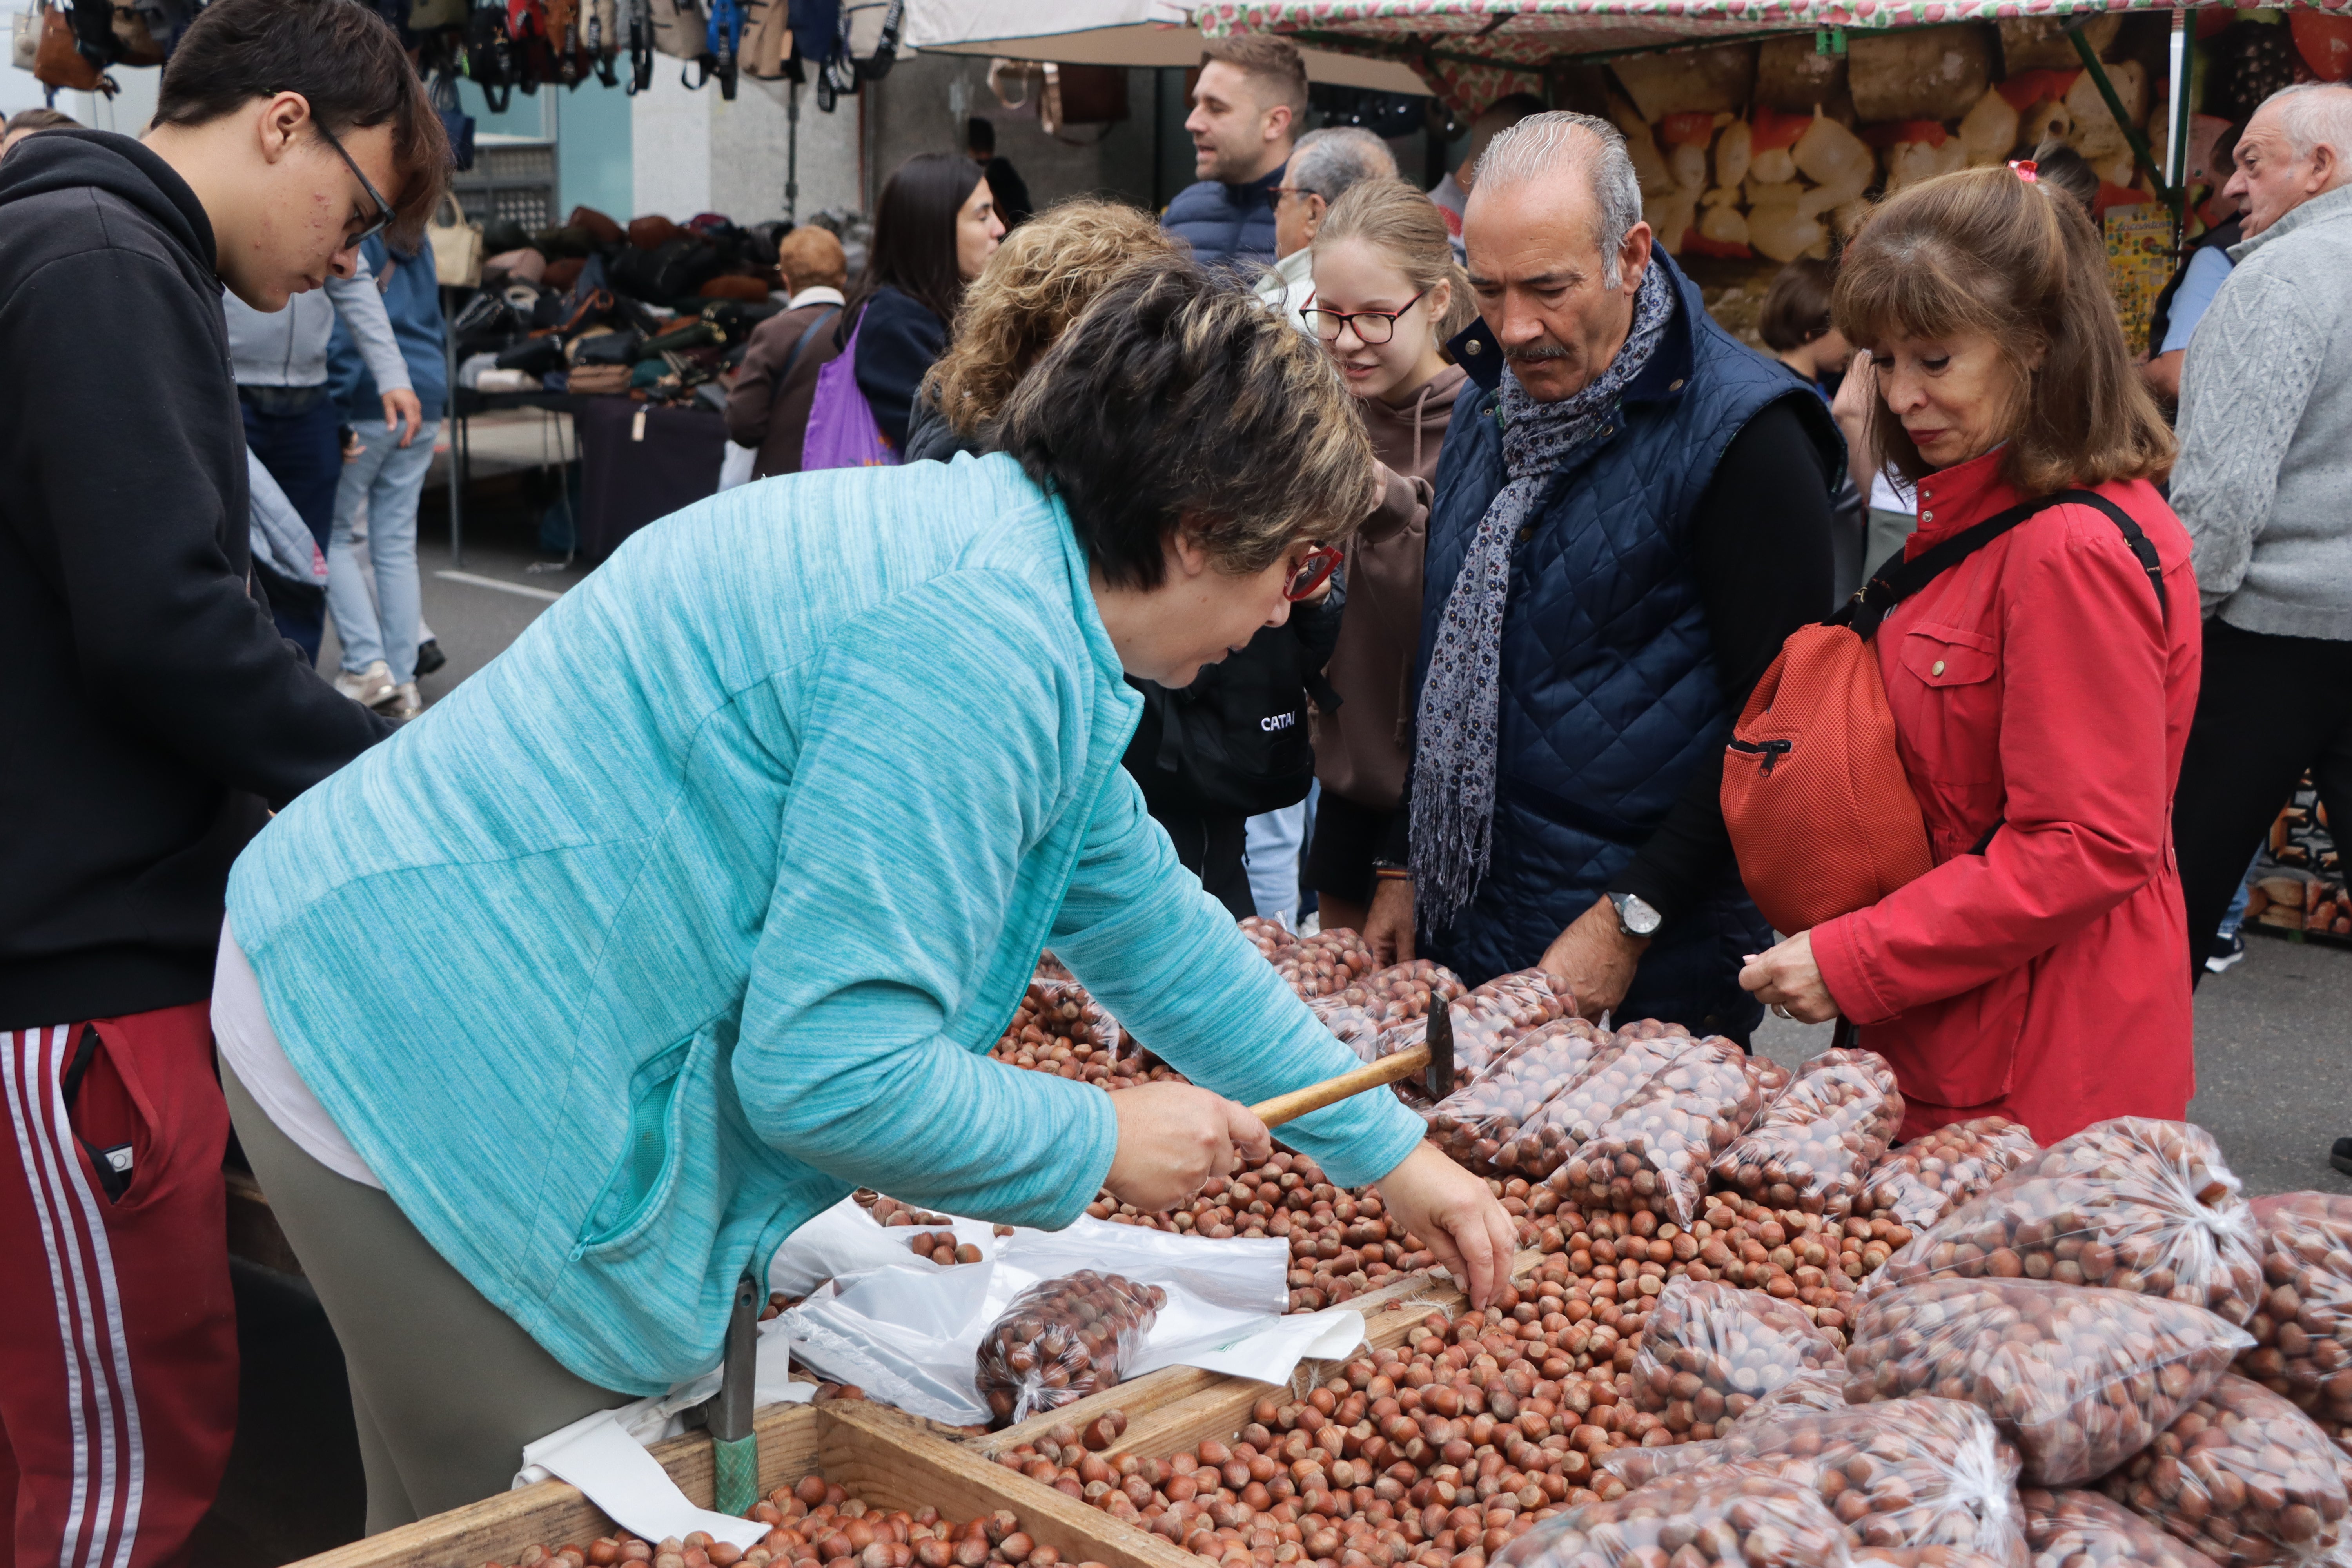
703	903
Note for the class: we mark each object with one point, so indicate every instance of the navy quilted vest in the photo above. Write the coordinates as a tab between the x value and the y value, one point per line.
1609	699
1225	225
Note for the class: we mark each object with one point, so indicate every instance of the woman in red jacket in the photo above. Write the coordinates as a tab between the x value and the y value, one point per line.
2042	689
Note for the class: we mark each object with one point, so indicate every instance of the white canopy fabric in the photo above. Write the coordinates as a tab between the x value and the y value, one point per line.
1111	33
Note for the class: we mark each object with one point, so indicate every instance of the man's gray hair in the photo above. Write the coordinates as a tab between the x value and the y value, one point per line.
1331	160
2312	113
1558	140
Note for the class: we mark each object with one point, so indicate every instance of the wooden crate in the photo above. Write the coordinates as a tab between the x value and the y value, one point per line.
892	1460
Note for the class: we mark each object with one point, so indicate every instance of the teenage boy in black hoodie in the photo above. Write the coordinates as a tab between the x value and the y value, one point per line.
150	718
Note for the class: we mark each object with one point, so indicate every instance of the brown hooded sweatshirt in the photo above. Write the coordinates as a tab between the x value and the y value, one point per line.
1359	751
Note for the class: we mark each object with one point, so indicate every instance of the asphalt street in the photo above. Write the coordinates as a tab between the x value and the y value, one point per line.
2273	1035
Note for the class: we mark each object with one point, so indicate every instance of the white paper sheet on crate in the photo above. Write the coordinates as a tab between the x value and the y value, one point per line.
907	1332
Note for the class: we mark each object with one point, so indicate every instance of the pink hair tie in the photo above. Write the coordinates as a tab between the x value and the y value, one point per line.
2025	169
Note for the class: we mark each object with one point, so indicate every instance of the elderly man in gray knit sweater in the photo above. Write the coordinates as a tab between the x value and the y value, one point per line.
2264	483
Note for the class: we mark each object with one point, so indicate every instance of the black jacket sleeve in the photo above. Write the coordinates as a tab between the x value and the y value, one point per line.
899	342
135	507
1760	547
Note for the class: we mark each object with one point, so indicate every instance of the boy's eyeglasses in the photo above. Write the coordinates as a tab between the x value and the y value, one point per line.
383	208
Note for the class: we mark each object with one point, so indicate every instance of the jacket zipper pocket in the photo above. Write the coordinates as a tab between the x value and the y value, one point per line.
1770	751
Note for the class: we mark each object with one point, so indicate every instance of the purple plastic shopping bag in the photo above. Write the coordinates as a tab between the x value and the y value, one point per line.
842	433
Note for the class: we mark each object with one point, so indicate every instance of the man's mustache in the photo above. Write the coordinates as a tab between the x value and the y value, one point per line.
1533	354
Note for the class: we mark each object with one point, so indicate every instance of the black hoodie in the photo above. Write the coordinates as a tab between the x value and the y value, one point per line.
148	709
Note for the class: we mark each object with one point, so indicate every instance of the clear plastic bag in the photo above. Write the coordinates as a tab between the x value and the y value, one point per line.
1811	1391
2303	1327
1724	1519
1918	1183
2079	1378
1488	1021
1480	1125
1576	1111
1710	1351
2244	1476
1770	1077
1271	938
1399	992
2084	1529
2130	1205
1325	963
1912	1473
1062	1339
1059	1028
1654	1151
1810	1148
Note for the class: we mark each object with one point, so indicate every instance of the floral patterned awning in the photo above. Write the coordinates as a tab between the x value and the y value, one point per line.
1471	52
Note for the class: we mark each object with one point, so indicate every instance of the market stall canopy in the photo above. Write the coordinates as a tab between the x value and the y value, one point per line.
1114	33
1473	51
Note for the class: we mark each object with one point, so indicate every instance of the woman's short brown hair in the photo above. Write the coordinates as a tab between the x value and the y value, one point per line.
1178	400
1041	279
345	61
1983	252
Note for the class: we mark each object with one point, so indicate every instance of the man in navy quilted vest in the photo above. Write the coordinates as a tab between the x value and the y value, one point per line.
1627	523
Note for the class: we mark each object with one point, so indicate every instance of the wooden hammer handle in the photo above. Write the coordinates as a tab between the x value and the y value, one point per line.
1290	1107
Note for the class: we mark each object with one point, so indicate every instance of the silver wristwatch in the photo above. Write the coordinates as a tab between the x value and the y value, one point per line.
1635	915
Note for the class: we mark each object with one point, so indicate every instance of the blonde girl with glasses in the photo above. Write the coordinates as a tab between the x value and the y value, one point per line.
1387	296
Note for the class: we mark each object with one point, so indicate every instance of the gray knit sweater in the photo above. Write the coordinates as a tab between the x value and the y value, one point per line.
2264	480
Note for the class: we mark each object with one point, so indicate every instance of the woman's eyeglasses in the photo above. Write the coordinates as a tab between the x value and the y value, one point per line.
1373	328
1312	572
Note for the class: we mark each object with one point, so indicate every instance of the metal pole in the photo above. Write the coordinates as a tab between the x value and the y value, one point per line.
2176	143
792	151
451	426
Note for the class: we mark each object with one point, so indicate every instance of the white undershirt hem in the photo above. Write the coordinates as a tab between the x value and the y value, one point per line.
249	1046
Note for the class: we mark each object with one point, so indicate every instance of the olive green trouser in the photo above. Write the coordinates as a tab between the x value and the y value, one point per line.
446	1389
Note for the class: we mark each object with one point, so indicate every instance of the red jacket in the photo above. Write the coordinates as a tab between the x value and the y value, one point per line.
2037	685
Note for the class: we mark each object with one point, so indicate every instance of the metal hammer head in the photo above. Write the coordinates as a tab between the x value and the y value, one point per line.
1437	1078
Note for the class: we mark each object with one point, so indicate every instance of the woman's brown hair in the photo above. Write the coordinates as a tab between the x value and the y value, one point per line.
1984	252
1041	280
1403	225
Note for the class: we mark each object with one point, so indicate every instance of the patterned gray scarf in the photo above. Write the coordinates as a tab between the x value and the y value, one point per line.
1454	746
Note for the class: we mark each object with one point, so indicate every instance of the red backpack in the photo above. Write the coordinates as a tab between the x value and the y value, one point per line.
1822	816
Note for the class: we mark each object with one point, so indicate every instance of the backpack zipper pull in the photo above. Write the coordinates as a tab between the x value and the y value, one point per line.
1773	750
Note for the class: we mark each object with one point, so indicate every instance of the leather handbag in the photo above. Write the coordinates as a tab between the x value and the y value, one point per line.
1820	812
431	16
24	40
681	30
456	245
58	59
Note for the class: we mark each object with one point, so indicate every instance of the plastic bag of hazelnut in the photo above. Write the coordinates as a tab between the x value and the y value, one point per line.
1905	1474
1918	1183
1488	1021
1476	1123
2303	1327
1725	1519
1062	1339
2079	1378
1811	1391
1326	963
1708	1351
1393	994
2130	1205
2084	1529
1271	938
1653	1152
1811	1147
1576	1111
2244	1476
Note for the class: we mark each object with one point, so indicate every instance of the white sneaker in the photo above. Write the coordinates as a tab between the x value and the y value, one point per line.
402	702
368	687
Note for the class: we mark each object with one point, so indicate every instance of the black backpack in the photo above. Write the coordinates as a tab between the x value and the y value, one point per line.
1235	742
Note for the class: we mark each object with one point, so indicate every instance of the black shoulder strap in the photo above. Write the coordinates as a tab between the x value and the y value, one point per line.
1877	598
794	358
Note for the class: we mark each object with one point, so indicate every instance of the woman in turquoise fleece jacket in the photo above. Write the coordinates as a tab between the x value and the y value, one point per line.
740	859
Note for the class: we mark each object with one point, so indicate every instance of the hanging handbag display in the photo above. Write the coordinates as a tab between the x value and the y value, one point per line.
680	29
1822	816
724	38
58	62
24	40
490	54
456	245
432	15
767	39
